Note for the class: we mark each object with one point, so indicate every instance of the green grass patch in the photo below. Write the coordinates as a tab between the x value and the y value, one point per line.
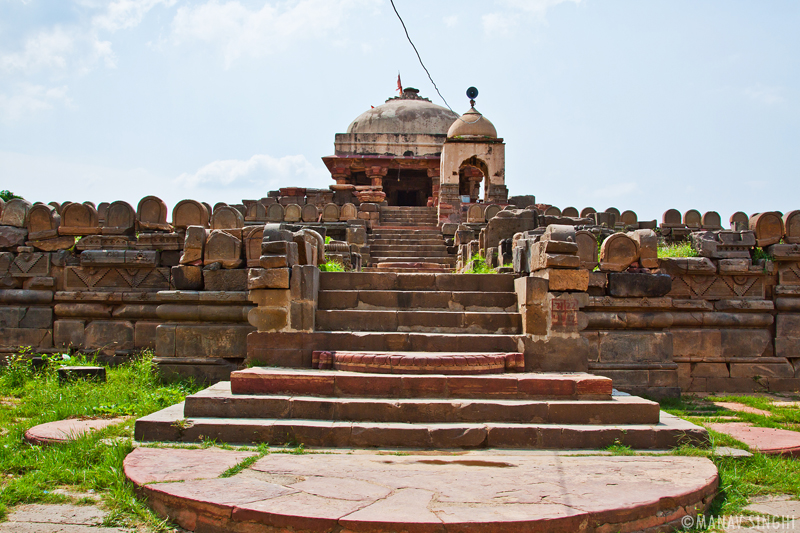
92	462
478	265
741	479
680	249
332	266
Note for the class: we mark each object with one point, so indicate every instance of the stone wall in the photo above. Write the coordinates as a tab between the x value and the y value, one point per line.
113	280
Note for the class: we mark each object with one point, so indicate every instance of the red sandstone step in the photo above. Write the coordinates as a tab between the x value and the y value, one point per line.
218	401
173	425
419	300
480	492
449	363
390	320
416	282
334	383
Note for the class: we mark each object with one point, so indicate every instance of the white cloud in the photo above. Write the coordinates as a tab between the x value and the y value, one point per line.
503	22
259	170
240	31
450	21
766	95
127	13
29	98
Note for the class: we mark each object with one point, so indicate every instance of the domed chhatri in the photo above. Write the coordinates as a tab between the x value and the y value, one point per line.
471	125
409	113
395	148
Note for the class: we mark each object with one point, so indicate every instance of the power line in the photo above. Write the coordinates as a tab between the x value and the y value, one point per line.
419	57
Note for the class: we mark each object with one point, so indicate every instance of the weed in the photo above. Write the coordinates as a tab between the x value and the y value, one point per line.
477	265
680	249
331	265
93	461
619	449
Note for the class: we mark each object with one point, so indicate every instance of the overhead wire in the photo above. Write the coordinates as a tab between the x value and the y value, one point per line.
405	29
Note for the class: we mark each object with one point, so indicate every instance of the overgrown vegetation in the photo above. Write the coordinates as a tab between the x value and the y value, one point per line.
332	265
680	249
477	265
7	195
93	462
760	253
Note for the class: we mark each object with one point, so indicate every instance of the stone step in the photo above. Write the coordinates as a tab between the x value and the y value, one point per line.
218	402
383	230
410	268
439	247
405	242
413	251
444	260
396	362
343	384
172	424
416	282
419	321
452	300
423	220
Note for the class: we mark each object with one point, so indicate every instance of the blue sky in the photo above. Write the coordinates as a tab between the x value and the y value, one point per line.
643	105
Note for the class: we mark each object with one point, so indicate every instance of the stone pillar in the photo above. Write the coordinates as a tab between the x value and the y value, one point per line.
433	174
449	203
376	174
341	175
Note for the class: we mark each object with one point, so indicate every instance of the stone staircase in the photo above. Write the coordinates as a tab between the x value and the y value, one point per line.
426	303
413	361
396	216
408	240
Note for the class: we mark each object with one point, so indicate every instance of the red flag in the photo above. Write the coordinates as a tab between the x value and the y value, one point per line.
399	84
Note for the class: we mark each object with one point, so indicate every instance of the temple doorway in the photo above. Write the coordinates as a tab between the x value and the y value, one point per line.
409	188
471	174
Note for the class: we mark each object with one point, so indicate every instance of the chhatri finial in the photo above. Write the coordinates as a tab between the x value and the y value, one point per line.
472	94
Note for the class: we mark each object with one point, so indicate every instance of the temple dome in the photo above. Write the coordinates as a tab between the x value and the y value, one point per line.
406	114
472	125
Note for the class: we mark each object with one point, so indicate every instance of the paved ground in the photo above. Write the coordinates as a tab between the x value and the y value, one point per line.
64	518
471	491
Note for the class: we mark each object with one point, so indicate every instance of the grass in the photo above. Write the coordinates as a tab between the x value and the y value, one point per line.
478	266
680	249
92	462
332	266
741	478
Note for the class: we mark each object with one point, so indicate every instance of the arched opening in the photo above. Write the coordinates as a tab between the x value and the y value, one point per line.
471	173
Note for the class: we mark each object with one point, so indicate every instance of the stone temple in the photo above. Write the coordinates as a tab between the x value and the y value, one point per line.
405	348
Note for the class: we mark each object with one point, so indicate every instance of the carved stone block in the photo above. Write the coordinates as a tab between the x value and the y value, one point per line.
120	219
43	222
30	264
79	219
768	228
223	248
119	279
190	213
194	245
618	252
151	214
226	217
15	213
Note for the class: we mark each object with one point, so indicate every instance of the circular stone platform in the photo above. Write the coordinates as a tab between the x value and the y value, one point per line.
360	491
67	430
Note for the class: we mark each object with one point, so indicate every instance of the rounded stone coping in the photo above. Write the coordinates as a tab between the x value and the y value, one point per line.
770	441
374	492
67	430
421	362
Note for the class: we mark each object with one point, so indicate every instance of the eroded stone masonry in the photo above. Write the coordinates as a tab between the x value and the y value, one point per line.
417	194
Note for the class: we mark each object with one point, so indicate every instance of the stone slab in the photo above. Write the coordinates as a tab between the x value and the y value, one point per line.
67	430
478	492
770	441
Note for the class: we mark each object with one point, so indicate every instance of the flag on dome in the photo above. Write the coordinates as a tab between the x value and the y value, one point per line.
399	84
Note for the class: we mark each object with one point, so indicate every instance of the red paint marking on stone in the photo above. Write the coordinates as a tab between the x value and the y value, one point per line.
67	430
770	441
